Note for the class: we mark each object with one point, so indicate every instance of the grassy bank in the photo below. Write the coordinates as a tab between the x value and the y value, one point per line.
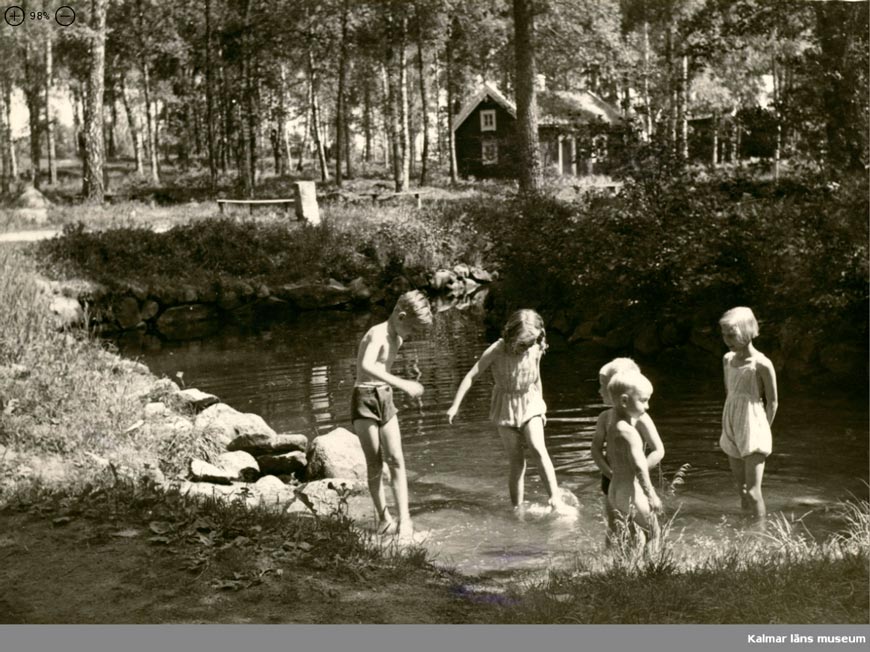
352	241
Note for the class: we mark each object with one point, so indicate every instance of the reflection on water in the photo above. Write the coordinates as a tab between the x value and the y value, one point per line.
302	370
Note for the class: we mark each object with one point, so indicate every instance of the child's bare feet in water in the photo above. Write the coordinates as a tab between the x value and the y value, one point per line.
405	530
386	524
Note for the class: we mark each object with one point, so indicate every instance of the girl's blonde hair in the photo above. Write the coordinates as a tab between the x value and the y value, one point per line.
415	304
744	320
523	329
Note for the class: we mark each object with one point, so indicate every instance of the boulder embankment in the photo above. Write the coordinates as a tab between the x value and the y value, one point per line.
184	311
242	458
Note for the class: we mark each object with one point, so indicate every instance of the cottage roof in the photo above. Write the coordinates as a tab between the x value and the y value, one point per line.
487	90
569	107
554	107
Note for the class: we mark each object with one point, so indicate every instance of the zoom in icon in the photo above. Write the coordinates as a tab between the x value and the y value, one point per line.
65	16
14	16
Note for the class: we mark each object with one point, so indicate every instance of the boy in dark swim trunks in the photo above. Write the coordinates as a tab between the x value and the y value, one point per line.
373	411
644	425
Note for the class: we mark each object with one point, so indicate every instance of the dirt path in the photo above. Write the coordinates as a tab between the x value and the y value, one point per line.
82	571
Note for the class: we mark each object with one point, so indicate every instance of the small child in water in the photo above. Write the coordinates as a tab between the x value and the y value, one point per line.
644	425
631	497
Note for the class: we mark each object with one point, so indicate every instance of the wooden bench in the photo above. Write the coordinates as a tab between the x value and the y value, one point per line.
384	196
287	203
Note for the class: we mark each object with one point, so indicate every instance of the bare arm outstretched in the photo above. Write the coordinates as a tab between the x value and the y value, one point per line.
479	366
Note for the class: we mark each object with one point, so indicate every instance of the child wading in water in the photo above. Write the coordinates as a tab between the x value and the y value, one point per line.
631	497
749	407
517	407
374	413
644	426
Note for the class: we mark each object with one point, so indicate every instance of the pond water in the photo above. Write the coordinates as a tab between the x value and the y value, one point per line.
303	368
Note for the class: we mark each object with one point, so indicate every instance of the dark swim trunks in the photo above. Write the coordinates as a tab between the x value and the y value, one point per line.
373	402
605	484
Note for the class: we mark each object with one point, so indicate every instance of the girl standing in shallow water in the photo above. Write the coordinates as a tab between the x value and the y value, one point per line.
750	407
517	408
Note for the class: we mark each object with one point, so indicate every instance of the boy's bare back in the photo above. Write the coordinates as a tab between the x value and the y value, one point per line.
625	455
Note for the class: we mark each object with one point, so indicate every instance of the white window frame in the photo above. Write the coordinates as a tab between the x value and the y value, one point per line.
490	144
484	124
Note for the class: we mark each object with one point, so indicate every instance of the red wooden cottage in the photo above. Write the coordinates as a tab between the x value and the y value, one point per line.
574	132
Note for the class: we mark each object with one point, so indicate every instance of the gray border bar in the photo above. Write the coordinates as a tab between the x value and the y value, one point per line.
434	638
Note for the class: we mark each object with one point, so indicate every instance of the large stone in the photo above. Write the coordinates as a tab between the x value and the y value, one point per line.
442	279
284	464
126	312
307	209
224	424
311	295
253	443
31	198
67	311
337	454
288	443
149	310
269	490
194	399
481	275
183	321
240	465
201	471
359	290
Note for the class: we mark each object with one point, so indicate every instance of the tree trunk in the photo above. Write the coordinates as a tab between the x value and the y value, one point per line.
648	120
715	128
339	100
404	110
307	130
424	104
10	168
684	108
135	128
530	175
778	142
367	119
348	145
32	96
49	118
392	119
226	154
209	102
451	141
93	183
284	140
315	119
78	134
151	123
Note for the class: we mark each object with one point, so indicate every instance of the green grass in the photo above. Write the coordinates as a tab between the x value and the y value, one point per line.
65	395
782	575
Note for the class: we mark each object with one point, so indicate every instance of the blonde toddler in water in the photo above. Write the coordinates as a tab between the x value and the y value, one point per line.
517	408
631	497
644	425
750	407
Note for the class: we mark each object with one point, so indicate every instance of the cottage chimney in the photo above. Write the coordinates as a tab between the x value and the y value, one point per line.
540	83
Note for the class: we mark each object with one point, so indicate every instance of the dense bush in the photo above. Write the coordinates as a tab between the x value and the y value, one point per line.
666	250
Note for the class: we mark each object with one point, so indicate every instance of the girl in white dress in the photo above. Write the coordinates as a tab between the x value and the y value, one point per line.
750	407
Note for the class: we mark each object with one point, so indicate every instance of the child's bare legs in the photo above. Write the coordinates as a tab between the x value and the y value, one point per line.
611	523
533	429
753	473
738	472
391	451
513	446
369	435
